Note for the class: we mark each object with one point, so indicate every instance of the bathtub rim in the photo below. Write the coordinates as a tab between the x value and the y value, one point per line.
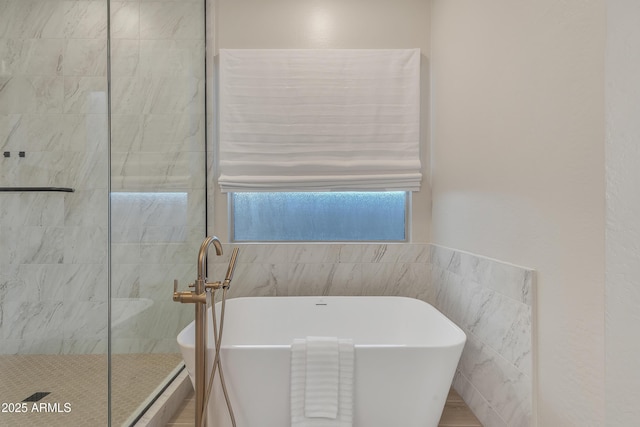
185	341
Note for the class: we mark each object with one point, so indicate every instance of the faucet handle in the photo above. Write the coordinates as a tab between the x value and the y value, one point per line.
175	285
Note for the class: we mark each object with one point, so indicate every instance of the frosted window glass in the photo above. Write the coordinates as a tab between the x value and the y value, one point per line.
321	216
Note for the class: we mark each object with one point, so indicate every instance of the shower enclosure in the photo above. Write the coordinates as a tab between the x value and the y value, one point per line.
102	203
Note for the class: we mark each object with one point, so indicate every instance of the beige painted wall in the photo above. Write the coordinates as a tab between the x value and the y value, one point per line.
333	24
518	171
622	383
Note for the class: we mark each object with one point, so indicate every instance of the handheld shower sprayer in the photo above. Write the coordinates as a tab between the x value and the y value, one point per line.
230	269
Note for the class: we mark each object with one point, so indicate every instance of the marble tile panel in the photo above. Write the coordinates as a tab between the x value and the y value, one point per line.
181	253
125	281
83	170
476	402
126	133
122	164
317	253
174	253
128	95
85	245
164	234
171	20
77	282
13	287
172	58
319	279
501	323
509	280
196	210
31	94
54	132
396	252
13	132
253	279
445	258
126	221
162	320
164	209
126	253
158	172
32	19
85	95
125	57
28	320
255	253
9	249
85	208
33	57
38	169
31	209
507	390
55	282
156	280
85	57
125	20
170	133
395	279
449	294
85	320
173	95
39	245
85	20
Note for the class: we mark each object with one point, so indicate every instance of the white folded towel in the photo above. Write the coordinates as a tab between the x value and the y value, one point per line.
323	376
322	370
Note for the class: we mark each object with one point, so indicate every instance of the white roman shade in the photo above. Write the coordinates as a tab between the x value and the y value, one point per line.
319	120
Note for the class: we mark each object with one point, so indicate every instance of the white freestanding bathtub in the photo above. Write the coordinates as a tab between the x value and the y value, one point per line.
406	353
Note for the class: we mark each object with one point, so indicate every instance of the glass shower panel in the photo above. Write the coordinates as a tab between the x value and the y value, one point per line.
157	189
53	213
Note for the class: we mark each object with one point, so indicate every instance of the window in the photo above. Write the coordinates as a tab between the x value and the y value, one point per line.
319	216
319	144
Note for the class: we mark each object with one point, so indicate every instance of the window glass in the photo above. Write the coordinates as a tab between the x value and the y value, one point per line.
319	216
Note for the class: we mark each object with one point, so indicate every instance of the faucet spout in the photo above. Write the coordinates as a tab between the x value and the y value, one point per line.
202	254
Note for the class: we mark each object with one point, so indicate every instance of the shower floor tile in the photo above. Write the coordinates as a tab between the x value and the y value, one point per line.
77	387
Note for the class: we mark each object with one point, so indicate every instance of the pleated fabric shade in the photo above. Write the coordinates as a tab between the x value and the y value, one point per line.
319	120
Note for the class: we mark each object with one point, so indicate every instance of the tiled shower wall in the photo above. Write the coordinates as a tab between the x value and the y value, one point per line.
53	107
157	169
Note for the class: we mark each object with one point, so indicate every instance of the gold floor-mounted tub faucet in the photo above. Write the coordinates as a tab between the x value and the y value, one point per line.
198	296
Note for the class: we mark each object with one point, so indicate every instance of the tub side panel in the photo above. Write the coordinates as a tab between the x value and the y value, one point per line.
393	386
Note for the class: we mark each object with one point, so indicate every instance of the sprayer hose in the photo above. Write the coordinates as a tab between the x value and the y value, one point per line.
217	364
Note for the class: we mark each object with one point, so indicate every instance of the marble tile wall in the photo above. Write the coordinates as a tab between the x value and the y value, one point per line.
53	106
492	302
53	246
327	269
157	167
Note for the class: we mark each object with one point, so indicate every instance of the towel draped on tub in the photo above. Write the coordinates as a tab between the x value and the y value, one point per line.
322	371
